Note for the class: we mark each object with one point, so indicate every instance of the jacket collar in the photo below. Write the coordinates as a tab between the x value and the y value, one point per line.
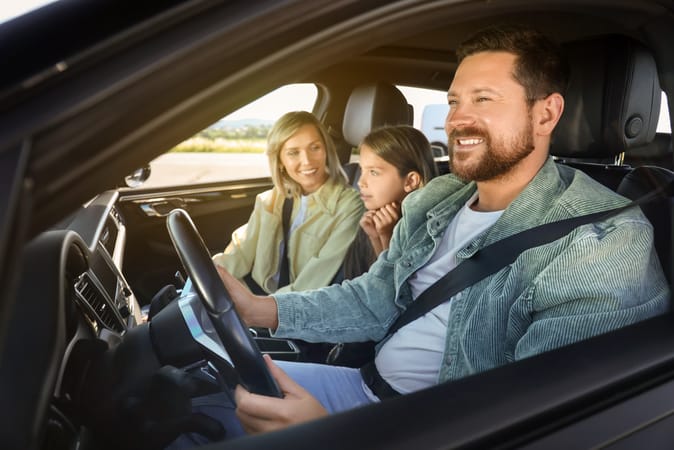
530	208
327	196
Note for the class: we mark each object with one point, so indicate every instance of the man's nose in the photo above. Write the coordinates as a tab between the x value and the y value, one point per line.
457	117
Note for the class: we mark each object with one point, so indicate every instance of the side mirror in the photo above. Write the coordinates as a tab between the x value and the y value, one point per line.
137	177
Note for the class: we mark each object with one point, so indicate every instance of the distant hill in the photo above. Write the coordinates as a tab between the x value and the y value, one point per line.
220	124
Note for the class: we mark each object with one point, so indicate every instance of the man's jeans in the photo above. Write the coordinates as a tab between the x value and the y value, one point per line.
336	388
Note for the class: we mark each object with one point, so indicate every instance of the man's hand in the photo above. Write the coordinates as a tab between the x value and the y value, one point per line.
254	310
259	413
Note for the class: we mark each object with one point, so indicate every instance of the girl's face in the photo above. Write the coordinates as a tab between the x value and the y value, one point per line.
379	182
304	157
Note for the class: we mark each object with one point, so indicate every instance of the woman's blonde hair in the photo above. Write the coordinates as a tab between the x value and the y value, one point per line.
284	129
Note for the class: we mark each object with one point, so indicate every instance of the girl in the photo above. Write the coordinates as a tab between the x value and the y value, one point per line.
394	161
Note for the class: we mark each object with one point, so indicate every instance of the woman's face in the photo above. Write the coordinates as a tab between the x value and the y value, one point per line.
379	182
304	158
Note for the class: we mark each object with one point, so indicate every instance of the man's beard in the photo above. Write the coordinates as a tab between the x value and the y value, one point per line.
498	159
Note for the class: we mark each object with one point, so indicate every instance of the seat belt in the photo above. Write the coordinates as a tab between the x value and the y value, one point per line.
284	271
499	254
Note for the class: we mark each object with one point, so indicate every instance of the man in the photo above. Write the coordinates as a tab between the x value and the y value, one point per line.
505	101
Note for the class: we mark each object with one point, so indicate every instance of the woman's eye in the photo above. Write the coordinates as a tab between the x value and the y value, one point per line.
292	153
374	172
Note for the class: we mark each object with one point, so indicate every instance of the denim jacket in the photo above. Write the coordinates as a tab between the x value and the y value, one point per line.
599	277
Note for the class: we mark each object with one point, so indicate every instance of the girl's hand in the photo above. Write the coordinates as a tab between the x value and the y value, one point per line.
259	413
368	225
385	219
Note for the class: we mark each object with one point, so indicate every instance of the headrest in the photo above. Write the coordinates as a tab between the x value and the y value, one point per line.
371	106
613	99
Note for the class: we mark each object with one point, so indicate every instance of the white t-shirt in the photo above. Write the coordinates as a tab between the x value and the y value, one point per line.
410	360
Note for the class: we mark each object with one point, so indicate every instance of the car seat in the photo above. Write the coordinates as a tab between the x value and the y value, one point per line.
612	106
370	106
611	110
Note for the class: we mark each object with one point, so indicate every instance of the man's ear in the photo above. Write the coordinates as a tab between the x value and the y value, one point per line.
548	112
412	181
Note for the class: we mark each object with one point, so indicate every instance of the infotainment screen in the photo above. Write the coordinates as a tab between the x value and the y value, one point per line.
102	267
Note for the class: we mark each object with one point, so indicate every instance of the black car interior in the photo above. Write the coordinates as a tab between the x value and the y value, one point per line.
611	110
85	362
370	106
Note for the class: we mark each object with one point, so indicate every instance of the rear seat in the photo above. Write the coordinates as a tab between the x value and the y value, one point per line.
371	106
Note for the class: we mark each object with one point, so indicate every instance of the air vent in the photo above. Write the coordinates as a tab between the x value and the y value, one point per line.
92	296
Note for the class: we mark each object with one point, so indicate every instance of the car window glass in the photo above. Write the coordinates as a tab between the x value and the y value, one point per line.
10	10
664	126
233	147
430	110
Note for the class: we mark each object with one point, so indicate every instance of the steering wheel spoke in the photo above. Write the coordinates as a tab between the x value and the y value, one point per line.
232	333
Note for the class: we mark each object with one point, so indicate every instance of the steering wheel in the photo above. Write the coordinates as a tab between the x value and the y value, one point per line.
234	335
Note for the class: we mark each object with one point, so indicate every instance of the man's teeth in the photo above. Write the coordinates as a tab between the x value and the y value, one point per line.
469	141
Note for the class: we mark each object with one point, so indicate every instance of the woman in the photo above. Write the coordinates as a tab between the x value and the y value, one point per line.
325	213
394	161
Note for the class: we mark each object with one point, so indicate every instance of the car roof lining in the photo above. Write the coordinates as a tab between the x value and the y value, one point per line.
200	96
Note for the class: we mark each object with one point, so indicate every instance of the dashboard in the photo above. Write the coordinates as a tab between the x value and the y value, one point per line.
72	307
101	290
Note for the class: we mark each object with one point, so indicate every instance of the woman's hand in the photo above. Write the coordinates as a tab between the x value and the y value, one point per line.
259	413
254	310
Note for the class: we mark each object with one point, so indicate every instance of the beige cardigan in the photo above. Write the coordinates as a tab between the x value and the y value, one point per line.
316	248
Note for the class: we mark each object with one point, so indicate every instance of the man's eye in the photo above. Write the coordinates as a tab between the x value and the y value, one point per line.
483	99
374	172
452	103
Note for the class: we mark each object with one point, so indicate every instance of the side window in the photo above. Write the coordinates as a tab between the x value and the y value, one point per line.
430	110
233	147
664	125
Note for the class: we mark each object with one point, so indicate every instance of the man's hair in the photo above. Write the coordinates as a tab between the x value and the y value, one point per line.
540	66
406	148
283	129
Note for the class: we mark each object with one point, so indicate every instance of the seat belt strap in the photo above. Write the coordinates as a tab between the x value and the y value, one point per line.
284	271
499	254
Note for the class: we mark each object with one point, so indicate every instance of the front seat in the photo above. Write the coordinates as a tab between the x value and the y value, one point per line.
611	106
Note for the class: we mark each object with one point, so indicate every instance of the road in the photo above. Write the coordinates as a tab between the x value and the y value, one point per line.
190	168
